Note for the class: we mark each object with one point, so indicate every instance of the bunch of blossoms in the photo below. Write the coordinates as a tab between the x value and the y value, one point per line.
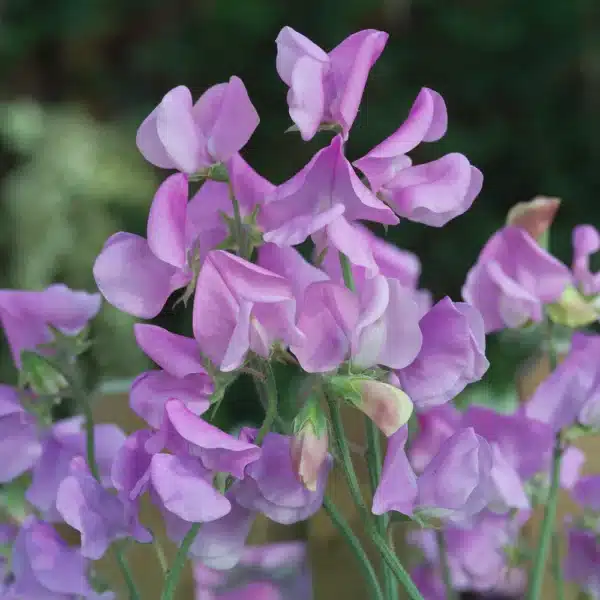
352	322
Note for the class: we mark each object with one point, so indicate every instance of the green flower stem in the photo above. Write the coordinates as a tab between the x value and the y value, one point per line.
539	566
374	463
240	232
537	574
559	581
347	271
173	574
81	396
443	556
269	392
354	543
380	541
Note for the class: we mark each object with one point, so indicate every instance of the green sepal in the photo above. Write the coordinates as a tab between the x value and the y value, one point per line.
41	375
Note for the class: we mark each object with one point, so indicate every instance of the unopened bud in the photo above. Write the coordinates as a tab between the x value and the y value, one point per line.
309	444
386	405
535	216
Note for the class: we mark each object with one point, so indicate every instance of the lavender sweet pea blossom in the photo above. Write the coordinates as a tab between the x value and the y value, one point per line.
240	306
20	446
63	442
26	316
272	487
316	198
44	567
451	357
98	515
513	279
571	392
138	275
326	88
582	559
179	134
431	193
587	492
586	241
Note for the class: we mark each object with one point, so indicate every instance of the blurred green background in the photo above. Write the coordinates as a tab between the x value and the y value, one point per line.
521	79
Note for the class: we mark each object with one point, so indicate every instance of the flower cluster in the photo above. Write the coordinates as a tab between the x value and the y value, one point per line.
353	323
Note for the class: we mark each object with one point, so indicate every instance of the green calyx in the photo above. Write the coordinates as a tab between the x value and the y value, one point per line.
573	309
311	415
40	375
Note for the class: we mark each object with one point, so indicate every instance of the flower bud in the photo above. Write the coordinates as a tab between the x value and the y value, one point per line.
573	310
535	216
386	405
309	444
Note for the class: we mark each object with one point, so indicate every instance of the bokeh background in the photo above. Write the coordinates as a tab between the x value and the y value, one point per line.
521	79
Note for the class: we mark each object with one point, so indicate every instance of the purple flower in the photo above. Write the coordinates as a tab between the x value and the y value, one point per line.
326	88
587	492
507	489
138	275
571	392
44	567
19	436
98	515
179	485
26	316
184	432
317	196
525	443
220	543
179	134
432	193
456	484
582	560
513	279
586	241
272	487
451	357
240	306
429	582
63	442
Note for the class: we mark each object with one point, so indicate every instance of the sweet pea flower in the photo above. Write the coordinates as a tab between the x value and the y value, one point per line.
178	484
271	486
316	198
586	241
98	515
26	316
571	393
535	216
432	193
582	559
137	275
309	449
179	134
220	544
587	492
452	355
455	485
63	442
524	442
326	88
20	446
183	432
44	567
513	279
183	375
507	488
240	306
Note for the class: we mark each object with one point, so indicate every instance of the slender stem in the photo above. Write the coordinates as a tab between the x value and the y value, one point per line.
81	396
354	543
445	567
269	387
240	233
343	448
347	271
160	555
172	577
557	567
374	463
537	575
539	565
396	566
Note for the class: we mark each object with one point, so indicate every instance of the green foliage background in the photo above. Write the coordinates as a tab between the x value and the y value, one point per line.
521	79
